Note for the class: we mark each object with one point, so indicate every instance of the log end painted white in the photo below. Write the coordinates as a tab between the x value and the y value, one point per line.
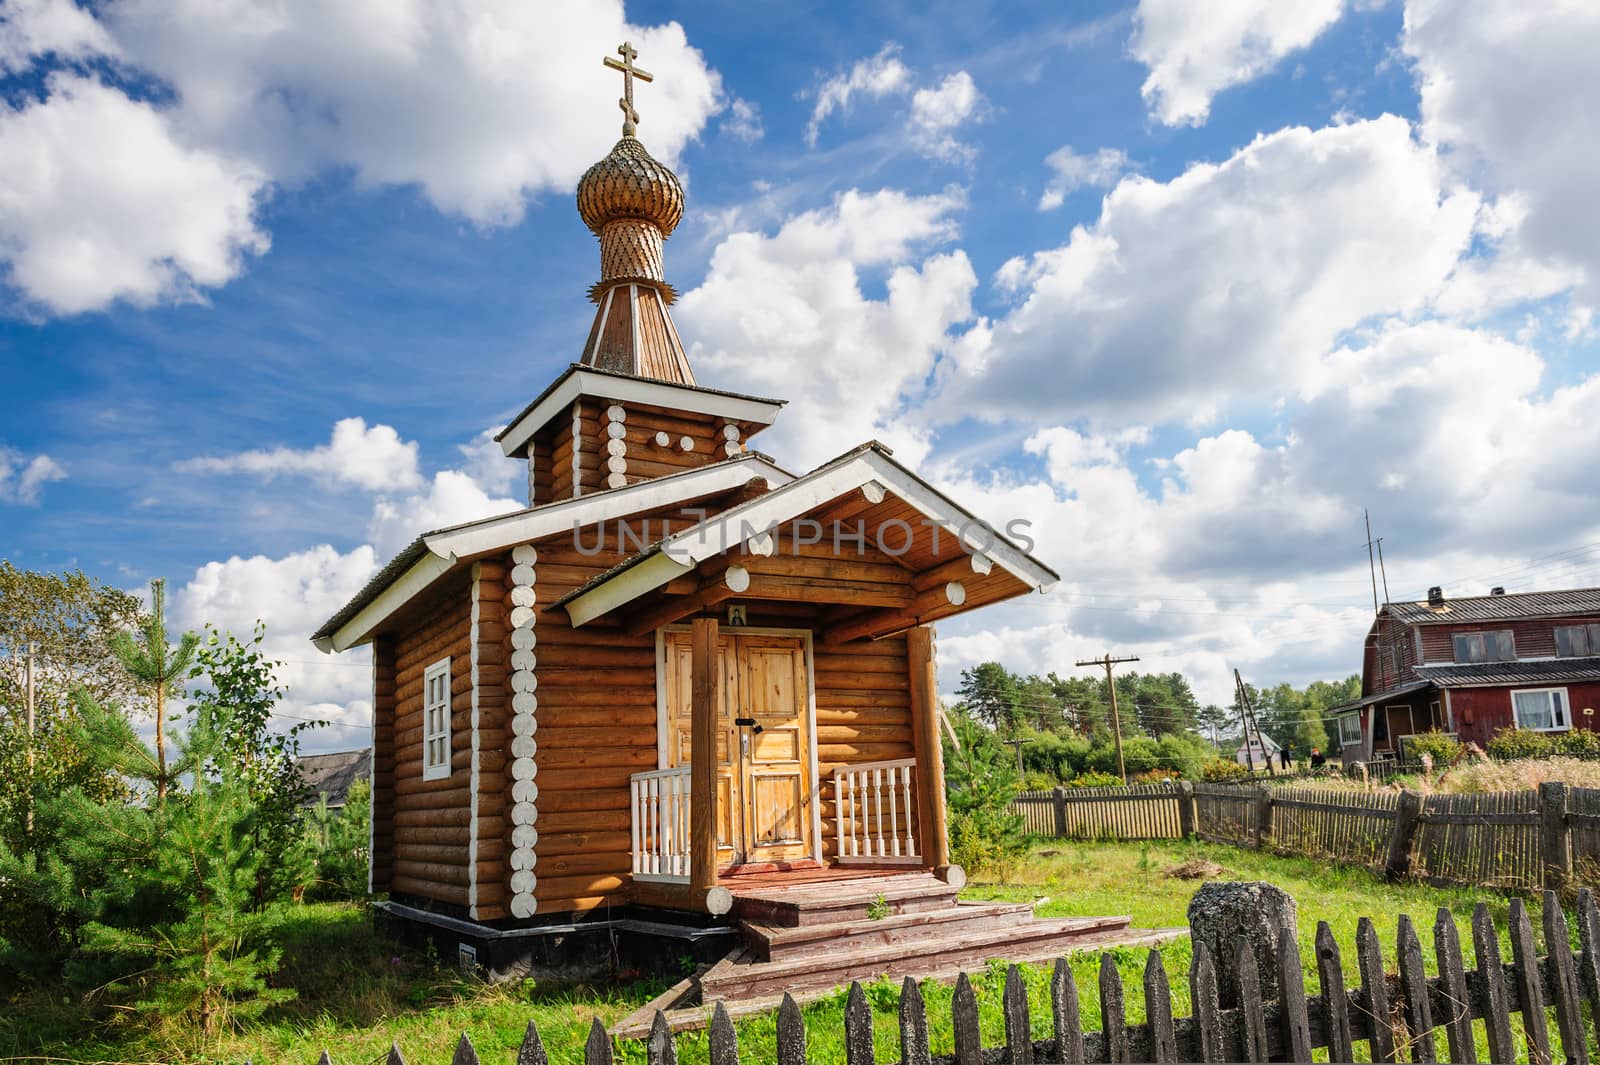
737	578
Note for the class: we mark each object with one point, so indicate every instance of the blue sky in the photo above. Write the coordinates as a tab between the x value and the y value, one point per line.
1186	286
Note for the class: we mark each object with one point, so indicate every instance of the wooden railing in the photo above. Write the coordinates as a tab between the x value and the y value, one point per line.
876	812
660	805
1365	1009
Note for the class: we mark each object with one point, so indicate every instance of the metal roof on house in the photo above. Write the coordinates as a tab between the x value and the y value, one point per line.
1380	697
1499	607
1493	674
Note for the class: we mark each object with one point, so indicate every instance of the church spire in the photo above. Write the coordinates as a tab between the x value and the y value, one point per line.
632	203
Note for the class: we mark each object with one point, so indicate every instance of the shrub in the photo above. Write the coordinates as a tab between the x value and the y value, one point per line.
985	836
338	842
1094	779
1223	771
1157	776
1510	744
1579	743
1442	749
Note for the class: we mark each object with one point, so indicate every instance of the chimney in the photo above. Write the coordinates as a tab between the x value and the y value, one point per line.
1436	596
1498	589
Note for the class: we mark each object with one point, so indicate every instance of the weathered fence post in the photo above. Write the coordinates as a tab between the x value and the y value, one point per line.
1263	806
1060	797
1406	817
1555	840
1223	915
1186	810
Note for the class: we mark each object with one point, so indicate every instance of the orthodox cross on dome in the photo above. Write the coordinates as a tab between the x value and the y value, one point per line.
630	117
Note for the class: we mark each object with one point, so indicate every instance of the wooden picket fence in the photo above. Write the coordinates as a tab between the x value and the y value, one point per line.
1391	1017
1515	840
1140	811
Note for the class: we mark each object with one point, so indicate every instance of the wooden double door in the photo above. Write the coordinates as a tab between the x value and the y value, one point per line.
765	790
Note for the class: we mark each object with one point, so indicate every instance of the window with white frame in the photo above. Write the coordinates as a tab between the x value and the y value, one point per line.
1349	730
436	721
1543	709
1485	646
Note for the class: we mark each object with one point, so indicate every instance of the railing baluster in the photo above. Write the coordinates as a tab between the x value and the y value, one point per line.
906	773
894	826
638	851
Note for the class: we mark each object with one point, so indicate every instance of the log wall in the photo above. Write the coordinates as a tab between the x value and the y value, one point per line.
432	817
382	841
490	740
596	727
644	443
863	713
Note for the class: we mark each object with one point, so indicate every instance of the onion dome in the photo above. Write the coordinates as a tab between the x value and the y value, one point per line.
630	184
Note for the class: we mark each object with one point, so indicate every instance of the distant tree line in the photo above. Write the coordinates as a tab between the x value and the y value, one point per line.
1059	728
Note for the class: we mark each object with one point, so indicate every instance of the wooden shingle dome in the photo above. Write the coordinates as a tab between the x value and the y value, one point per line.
630	184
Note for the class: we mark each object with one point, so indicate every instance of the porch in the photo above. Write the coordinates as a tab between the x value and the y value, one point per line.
750	805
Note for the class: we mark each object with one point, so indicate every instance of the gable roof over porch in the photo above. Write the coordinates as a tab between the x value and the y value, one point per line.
659	582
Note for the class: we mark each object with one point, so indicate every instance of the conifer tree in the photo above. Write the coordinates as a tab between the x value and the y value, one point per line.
158	666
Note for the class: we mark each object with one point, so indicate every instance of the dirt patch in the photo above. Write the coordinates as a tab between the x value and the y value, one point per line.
1195	869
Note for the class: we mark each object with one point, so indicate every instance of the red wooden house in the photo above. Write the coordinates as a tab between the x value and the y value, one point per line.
685	687
1475	666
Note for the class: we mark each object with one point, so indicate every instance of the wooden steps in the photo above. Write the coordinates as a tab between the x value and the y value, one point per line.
779	942
816	935
693	1018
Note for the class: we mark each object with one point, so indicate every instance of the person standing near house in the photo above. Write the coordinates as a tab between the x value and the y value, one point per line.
1285	759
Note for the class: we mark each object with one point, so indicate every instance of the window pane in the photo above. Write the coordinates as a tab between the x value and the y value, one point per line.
1568	640
1558	703
1465	646
1594	640
1505	647
1533	709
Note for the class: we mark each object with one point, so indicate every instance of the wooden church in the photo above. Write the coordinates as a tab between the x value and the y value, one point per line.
685	688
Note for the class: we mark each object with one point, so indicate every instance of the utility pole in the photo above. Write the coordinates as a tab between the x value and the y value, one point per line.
1252	730
1107	662
1017	744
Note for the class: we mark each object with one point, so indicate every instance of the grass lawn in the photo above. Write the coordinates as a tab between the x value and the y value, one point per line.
358	992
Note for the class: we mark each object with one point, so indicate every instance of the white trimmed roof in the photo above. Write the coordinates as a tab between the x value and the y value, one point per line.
626	388
434	554
679	554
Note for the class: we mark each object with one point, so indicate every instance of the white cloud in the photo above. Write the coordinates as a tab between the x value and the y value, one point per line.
480	105
487	465
102	198
1224	285
743	122
785	315
937	113
293	595
21	477
296	593
374	458
1194	51
55	28
876	76
1071	172
450	498
1508	88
